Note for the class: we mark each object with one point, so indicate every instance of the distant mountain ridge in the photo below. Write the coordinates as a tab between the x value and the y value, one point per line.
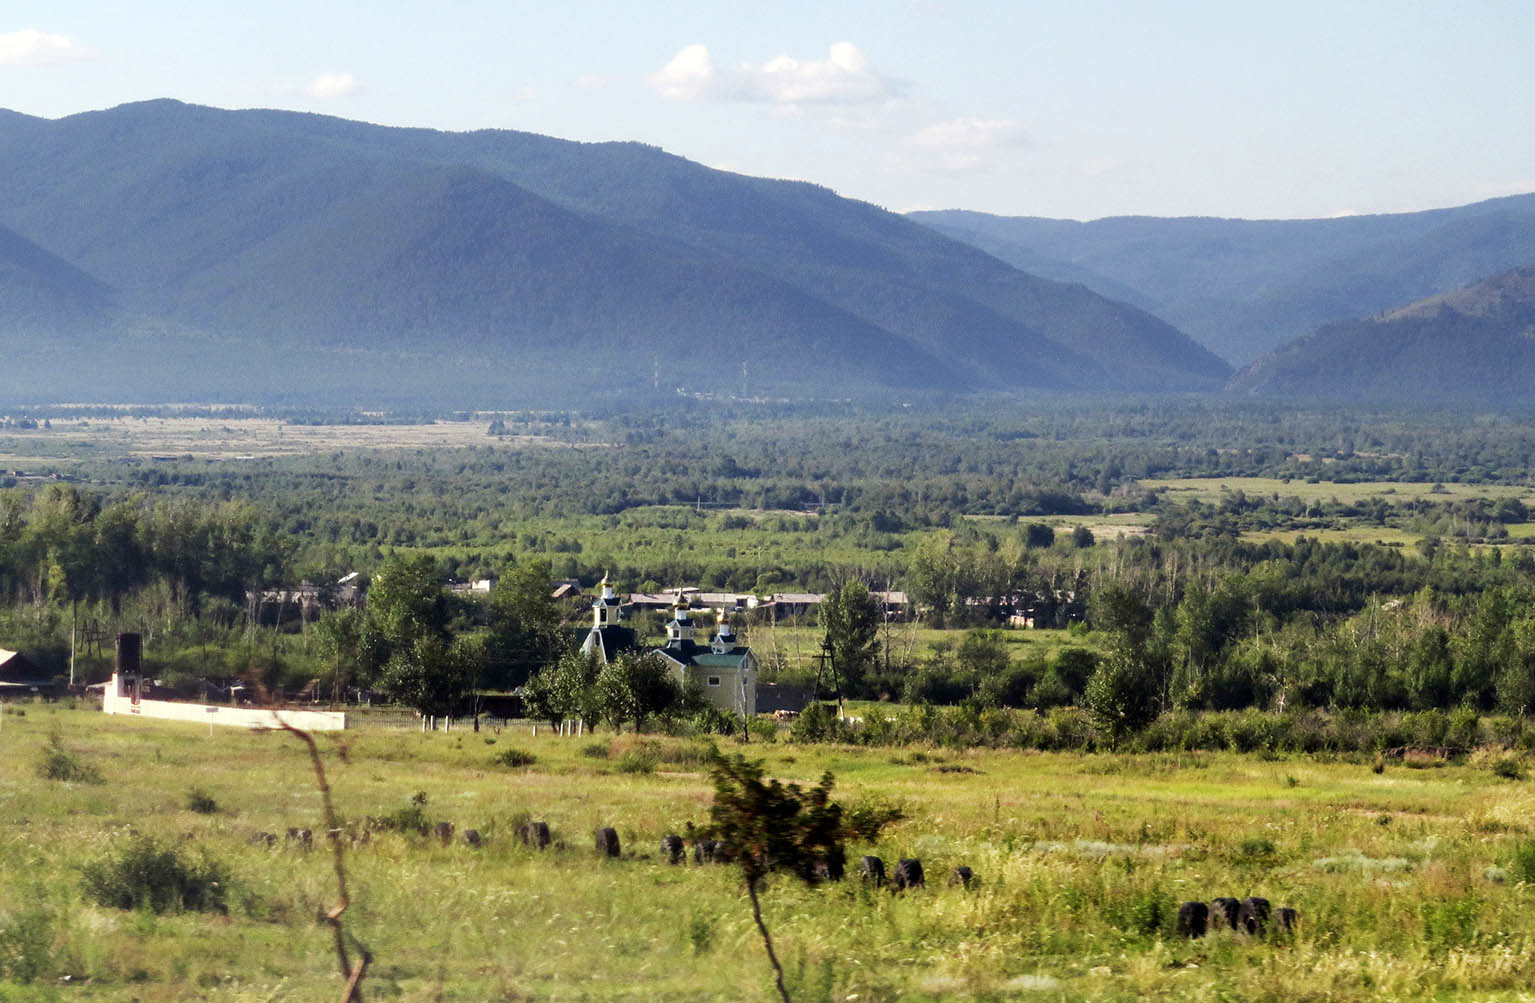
223	247
1244	287
1475	344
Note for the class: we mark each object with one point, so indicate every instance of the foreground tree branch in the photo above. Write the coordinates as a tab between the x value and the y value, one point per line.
332	917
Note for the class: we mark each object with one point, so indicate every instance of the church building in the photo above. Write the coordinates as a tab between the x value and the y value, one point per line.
723	672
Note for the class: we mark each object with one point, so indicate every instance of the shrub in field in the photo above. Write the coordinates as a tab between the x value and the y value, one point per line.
1450	922
1145	914
147	875
201	802
866	817
689	753
1523	865
596	750
700	933
818	723
642	758
58	763
410	818
1465	728
1070	728
26	944
515	758
1254	851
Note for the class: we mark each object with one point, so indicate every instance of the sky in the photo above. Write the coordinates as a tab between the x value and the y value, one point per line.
1080	110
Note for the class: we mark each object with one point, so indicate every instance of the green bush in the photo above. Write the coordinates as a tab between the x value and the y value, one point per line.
596	750
410	818
818	723
58	763
1121	697
688	753
1450	923
147	875
515	758
864	818
1146	914
1523	865
26	944
201	802
1256	851
643	758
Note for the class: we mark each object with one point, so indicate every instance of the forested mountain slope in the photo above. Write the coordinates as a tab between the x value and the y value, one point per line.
1474	344
477	266
1245	287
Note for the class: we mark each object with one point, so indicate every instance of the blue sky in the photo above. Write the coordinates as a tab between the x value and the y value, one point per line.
1080	110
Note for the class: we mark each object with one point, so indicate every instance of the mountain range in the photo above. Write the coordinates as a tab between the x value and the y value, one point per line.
160	250
1474	344
1243	288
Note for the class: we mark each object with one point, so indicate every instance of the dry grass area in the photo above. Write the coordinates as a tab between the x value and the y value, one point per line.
228	439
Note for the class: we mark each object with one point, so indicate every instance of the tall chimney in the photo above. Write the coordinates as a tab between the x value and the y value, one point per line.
128	649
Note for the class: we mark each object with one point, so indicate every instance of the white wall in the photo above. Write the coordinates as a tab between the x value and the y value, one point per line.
113	702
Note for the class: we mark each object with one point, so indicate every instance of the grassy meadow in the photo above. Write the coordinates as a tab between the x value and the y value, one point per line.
1210	489
1412	883
225	438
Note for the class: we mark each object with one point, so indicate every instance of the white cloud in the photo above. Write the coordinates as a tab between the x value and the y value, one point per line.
1498	189
967	135
30	47
689	76
845	76
960	145
593	81
1097	167
333	85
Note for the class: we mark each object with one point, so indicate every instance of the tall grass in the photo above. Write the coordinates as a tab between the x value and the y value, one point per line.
1082	860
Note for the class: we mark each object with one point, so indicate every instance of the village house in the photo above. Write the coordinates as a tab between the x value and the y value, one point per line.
19	675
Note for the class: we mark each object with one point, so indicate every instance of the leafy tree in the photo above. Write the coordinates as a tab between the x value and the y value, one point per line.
1121	696
983	653
338	639
1516	681
1429	668
405	638
767	826
851	617
564	691
635	687
524	625
406	601
1123	613
433	675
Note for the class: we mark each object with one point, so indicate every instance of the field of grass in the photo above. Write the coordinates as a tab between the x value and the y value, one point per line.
230	438
1387	535
1411	883
1209	489
908	643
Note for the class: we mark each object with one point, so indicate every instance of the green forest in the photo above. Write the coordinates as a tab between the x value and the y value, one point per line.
1341	588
